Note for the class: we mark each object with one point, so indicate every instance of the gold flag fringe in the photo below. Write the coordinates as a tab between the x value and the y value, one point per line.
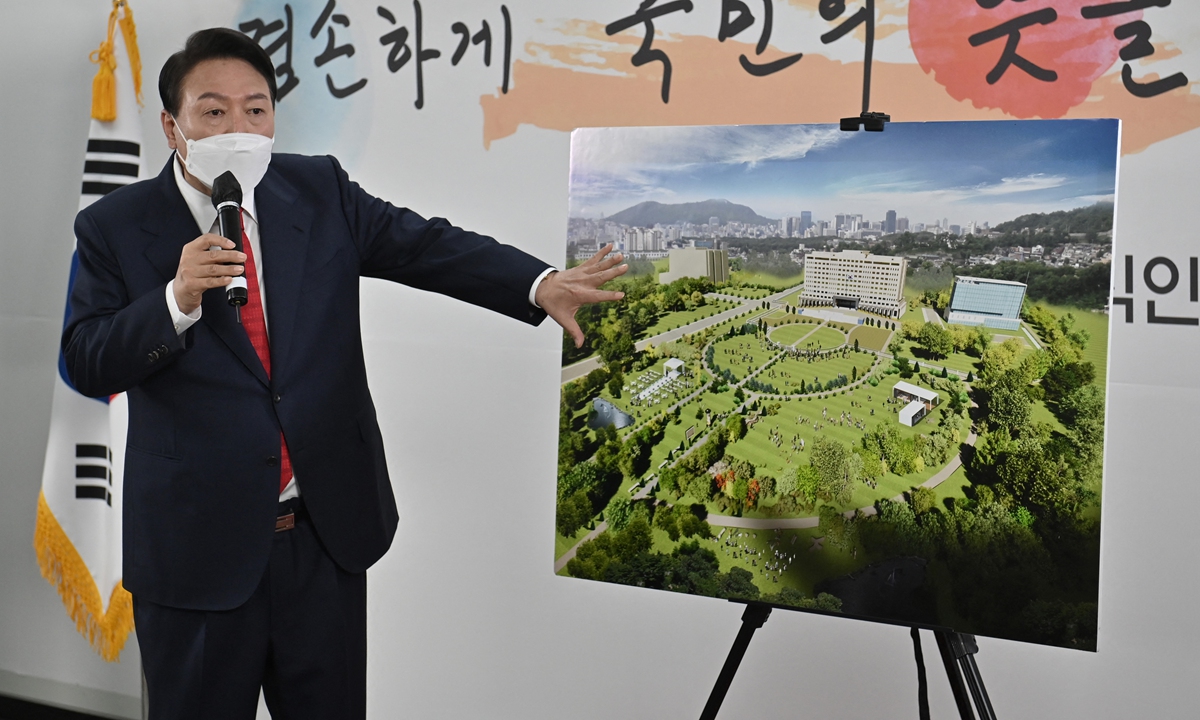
104	85
129	34
63	568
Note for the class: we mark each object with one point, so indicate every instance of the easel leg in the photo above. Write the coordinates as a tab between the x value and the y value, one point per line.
958	655
922	683
752	619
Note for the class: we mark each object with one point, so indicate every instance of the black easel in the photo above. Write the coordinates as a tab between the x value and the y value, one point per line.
958	656
752	619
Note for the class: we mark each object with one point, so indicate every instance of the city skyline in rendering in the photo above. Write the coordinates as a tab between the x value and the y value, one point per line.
929	173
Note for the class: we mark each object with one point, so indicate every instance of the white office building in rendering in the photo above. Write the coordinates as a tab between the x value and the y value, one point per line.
855	279
697	263
983	301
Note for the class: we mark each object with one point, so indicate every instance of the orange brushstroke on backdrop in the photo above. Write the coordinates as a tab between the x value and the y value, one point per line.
1164	51
709	87
1145	121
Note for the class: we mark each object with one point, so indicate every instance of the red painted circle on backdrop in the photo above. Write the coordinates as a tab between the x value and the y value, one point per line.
1079	50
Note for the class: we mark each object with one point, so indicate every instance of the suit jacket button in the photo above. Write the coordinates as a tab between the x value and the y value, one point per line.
278	397
272	461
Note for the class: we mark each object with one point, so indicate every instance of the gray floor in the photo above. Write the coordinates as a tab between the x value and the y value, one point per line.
14	709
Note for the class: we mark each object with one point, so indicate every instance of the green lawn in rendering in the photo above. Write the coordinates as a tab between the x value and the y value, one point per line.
823	338
961	362
791	333
786	374
741	355
782	317
673	434
870	338
710	405
1041	413
953	487
672	320
562	544
1003	333
914	313
747	293
809	566
788	334
779	283
793	299
719	403
750	316
1096	324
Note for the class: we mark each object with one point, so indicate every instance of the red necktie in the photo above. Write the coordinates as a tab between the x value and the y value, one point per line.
256	328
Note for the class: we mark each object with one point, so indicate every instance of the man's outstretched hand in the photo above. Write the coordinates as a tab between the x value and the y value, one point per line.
563	292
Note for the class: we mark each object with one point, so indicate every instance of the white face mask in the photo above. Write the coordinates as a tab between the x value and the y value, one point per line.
246	155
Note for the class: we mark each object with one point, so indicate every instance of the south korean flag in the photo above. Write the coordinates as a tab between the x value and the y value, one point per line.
78	532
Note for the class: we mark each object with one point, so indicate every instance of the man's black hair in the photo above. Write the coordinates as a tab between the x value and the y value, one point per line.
211	44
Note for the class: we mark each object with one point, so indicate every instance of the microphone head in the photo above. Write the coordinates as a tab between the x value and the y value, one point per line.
226	188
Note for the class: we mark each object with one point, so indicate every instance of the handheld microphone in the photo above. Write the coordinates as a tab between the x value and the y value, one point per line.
227	199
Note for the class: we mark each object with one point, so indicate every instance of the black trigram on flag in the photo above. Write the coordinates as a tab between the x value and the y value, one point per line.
93	462
109	164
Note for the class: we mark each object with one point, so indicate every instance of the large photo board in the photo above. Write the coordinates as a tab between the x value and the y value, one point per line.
858	373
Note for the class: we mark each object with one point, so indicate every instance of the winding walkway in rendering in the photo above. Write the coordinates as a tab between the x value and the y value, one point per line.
811	522
569	555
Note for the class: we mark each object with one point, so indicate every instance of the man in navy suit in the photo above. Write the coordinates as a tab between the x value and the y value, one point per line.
256	489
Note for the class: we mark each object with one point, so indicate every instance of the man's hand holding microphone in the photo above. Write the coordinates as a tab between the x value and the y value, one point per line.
212	260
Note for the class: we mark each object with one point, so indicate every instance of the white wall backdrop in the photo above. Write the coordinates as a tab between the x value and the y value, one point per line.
466	619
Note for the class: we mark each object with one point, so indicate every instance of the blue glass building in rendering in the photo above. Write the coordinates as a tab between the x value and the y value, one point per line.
983	301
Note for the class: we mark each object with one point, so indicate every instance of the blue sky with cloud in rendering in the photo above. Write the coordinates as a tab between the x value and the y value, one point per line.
963	171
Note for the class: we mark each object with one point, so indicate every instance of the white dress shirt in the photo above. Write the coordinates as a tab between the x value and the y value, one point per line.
205	216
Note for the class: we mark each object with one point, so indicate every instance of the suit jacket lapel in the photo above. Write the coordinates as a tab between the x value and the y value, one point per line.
284	229
170	223
173	226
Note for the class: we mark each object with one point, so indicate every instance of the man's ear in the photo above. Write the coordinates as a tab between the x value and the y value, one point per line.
168	126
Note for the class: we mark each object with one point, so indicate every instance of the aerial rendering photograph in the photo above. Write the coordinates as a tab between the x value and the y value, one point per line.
853	373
